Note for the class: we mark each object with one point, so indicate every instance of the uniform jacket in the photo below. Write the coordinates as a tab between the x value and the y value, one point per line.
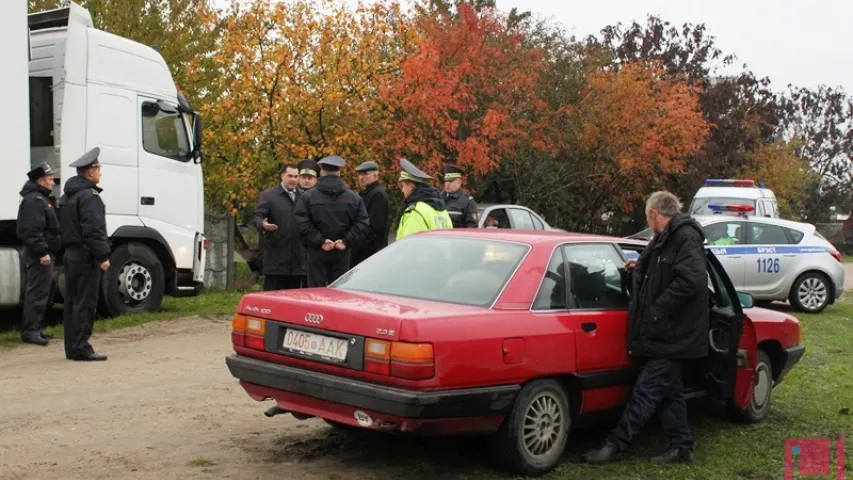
376	203
82	218
669	309
38	224
425	210
283	252
462	209
331	211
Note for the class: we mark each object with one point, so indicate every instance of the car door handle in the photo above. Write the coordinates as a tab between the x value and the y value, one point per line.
790	255
734	256
588	327
147	201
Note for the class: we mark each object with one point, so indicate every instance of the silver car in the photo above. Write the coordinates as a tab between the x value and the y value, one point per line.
510	216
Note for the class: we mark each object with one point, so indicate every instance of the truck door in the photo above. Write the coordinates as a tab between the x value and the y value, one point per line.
733	351
169	186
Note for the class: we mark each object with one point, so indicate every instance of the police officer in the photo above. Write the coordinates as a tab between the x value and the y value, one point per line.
308	172
424	207
283	259
38	230
460	205
82	218
376	202
332	220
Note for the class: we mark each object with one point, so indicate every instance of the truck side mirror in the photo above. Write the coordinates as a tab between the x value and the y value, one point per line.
197	137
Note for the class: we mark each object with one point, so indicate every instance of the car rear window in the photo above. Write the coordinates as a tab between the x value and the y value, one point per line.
445	269
699	206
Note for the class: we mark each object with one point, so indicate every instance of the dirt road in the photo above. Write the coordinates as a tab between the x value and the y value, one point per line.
164	406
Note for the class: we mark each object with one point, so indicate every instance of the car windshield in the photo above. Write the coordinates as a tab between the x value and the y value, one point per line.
445	269
699	206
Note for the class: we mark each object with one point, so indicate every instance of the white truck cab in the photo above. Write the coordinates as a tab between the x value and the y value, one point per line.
716	193
90	88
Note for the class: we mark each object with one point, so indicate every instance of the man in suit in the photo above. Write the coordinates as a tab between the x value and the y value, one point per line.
274	218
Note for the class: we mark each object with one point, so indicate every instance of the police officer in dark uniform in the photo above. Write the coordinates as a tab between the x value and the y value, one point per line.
332	220
460	205
308	173
82	218
376	202
38	230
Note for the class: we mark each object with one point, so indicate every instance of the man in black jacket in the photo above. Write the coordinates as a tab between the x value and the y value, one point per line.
332	219
83	223
376	202
668	324
38	230
461	206
274	217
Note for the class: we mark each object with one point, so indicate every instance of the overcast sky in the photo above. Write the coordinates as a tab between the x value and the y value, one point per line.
798	42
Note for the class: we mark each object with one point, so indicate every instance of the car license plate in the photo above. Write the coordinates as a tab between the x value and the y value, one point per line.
315	345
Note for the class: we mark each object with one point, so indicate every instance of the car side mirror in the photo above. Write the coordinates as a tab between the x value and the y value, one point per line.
746	299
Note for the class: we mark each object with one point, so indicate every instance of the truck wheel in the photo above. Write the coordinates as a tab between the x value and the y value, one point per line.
810	293
759	404
534	434
134	283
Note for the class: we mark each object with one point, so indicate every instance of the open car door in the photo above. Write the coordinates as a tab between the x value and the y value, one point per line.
733	351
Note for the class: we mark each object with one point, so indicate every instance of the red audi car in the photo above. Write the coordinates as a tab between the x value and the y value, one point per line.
516	334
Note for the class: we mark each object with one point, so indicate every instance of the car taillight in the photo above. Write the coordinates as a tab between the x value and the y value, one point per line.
248	332
835	254
412	361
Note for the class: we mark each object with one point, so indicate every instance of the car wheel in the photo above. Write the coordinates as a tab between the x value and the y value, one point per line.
534	434
134	283
810	293
759	405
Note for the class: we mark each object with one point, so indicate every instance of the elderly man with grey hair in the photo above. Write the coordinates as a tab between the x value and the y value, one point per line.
668	325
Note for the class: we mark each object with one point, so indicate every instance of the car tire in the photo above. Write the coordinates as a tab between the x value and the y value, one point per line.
811	287
759	404
134	283
541	406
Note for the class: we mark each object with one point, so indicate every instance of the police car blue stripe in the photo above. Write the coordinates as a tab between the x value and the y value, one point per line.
768	250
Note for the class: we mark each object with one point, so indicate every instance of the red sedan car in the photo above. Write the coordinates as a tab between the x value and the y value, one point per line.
516	334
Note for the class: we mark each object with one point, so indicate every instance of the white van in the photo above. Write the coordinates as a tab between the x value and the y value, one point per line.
712	198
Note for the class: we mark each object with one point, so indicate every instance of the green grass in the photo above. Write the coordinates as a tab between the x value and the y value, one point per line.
202	462
214	302
847	259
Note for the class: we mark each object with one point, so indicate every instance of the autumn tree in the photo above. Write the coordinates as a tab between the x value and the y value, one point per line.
778	166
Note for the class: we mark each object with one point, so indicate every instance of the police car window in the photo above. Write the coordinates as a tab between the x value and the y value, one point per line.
763	234
796	235
723	233
537	224
595	277
497	218
552	291
521	219
163	133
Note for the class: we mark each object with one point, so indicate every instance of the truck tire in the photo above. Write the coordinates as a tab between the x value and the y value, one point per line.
135	282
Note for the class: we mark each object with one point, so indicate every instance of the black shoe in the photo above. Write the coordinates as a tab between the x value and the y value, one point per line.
48	336
35	340
604	454
675	455
92	357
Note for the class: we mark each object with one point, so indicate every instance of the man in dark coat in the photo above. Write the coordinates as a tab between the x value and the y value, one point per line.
309	171
83	223
38	231
332	219
461	206
668	325
376	202
274	217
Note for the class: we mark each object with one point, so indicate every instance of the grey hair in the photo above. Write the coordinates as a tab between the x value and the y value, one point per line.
665	203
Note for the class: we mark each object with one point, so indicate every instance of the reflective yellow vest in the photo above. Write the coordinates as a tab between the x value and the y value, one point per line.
420	217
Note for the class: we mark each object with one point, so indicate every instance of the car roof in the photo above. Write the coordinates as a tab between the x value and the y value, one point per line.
529	236
751	193
707	219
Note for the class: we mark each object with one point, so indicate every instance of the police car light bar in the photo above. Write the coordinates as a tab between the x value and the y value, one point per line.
728	182
742	209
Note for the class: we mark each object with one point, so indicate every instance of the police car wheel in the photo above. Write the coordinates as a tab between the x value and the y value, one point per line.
533	436
759	404
134	283
810	293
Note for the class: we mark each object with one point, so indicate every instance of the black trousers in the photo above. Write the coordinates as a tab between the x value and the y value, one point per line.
325	267
659	389
37	293
282	282
82	285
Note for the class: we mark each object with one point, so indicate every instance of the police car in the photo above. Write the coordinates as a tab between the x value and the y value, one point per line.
775	259
490	215
734	191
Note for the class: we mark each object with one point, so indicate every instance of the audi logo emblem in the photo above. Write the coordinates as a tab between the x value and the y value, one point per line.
313	318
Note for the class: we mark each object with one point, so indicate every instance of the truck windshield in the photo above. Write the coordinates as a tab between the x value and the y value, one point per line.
444	269
699	206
